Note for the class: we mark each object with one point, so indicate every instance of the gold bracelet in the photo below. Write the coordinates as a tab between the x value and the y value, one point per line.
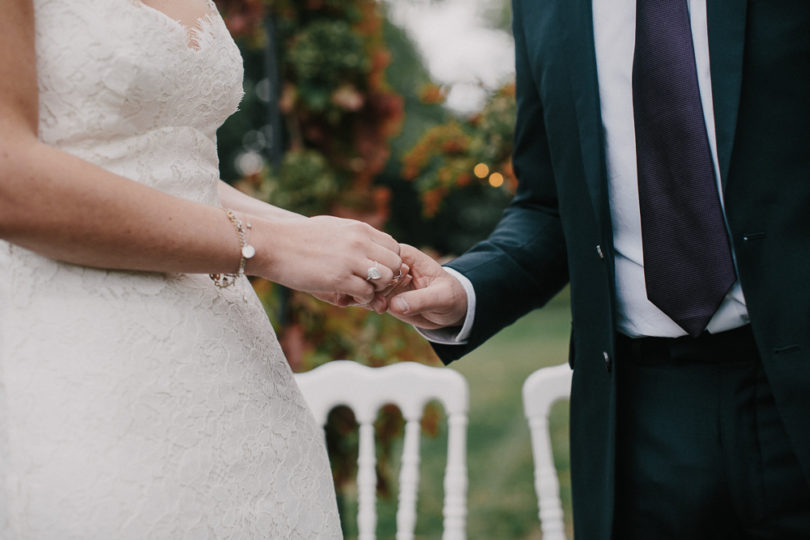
246	252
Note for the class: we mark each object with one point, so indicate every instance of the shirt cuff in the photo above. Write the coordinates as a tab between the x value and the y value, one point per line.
454	335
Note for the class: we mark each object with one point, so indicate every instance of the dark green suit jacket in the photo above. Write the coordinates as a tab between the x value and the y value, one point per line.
558	226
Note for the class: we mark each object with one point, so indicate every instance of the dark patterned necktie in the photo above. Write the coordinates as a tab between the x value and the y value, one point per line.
687	259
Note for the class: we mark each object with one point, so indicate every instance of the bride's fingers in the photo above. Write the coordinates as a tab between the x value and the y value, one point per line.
403	272
387	258
379	303
384	240
385	254
380	276
398	285
359	289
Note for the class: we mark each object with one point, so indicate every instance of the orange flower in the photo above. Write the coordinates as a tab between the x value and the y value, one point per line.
453	146
463	180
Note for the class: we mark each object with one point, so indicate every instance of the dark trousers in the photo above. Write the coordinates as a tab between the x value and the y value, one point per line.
702	452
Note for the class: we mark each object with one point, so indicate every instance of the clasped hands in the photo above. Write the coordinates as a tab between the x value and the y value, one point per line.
425	295
346	262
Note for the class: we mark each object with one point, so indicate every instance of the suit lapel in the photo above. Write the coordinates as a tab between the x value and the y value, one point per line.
577	25
726	21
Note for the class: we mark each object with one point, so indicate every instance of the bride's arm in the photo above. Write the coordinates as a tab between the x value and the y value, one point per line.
231	197
68	209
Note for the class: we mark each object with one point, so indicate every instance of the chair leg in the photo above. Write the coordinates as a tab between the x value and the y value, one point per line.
546	483
366	484
408	481
455	480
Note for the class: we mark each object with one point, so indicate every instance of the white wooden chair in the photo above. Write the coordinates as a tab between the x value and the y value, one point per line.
410	386
541	390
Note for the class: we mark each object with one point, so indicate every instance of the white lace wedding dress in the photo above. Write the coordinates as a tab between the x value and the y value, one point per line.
142	405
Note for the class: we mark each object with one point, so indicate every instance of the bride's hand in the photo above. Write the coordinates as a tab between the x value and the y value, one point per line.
326	256
380	301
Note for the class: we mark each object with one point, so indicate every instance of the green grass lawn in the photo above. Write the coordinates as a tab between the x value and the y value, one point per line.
501	500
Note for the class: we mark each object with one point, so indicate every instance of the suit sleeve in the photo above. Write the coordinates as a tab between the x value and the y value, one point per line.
523	262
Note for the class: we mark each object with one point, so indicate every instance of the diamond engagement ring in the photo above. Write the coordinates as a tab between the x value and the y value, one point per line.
398	275
373	272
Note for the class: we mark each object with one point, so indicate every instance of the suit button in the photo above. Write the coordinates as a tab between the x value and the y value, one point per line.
606	358
599	251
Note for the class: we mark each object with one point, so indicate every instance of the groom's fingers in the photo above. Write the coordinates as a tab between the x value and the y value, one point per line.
443	302
424	305
417	260
409	254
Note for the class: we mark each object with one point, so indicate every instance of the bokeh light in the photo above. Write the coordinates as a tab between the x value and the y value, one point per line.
496	180
481	170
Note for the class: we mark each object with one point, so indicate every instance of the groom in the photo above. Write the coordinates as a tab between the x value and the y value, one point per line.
662	148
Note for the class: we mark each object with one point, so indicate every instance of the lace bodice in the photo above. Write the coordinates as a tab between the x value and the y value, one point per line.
142	405
120	82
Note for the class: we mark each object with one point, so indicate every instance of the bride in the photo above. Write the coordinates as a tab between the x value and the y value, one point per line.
143	393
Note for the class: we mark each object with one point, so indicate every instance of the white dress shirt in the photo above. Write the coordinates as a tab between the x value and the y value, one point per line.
614	23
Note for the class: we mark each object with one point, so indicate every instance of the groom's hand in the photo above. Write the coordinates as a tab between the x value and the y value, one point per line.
434	298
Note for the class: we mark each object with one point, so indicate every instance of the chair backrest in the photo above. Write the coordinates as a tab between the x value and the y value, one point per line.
409	386
541	390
